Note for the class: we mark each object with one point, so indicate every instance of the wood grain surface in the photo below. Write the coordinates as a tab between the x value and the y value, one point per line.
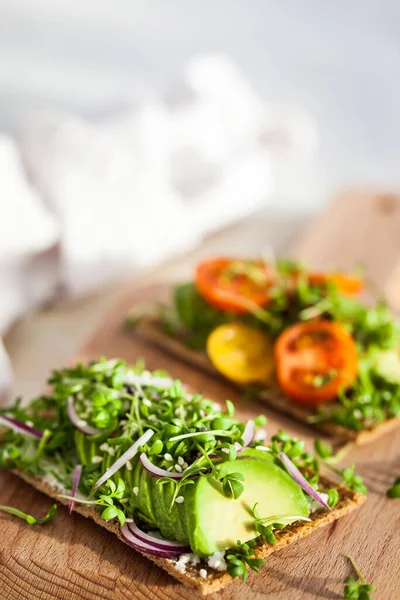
358	228
73	559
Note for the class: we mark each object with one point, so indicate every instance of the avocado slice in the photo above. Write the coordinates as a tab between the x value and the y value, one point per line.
259	454
153	502
180	509
164	522
145	496
135	475
215	522
171	521
174	514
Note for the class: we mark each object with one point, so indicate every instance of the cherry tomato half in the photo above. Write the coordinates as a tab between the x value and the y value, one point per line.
346	284
235	284
241	353
314	360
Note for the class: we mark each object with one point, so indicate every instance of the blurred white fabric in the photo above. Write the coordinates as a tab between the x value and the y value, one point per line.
6	376
27	231
105	199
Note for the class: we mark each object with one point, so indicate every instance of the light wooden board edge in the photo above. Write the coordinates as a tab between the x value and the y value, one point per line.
148	329
348	501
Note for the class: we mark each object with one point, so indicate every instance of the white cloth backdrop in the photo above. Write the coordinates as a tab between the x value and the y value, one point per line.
84	202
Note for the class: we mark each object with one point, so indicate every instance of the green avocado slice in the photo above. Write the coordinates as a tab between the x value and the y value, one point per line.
154	503
216	522
135	474
259	454
173	514
145	496
164	522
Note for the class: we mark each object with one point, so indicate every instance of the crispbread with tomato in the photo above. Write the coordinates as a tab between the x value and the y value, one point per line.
302	341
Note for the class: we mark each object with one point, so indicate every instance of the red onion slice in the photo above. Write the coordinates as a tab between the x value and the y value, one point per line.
248	436
147	379
77	422
20	427
157	471
157	542
132	540
302	481
75	482
123	459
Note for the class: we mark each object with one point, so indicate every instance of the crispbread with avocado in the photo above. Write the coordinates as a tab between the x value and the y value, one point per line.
174	475
214	581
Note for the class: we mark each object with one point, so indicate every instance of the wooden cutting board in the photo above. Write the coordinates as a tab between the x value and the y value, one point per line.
357	229
73	559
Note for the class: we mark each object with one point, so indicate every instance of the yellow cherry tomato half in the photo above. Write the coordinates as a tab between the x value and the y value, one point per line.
241	353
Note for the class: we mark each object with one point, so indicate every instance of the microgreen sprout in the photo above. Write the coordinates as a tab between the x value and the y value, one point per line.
232	485
242	556
265	526
111	494
349	478
325	452
333	497
28	518
353	481
260	420
357	588
394	491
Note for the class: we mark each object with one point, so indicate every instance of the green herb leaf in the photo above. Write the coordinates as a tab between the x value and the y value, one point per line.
260	421
119	493
232	485
266	532
156	448
323	450
240	557
354	482
111	485
230	408
109	513
333	497
394	491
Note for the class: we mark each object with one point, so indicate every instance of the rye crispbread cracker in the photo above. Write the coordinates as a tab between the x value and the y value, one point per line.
215	580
